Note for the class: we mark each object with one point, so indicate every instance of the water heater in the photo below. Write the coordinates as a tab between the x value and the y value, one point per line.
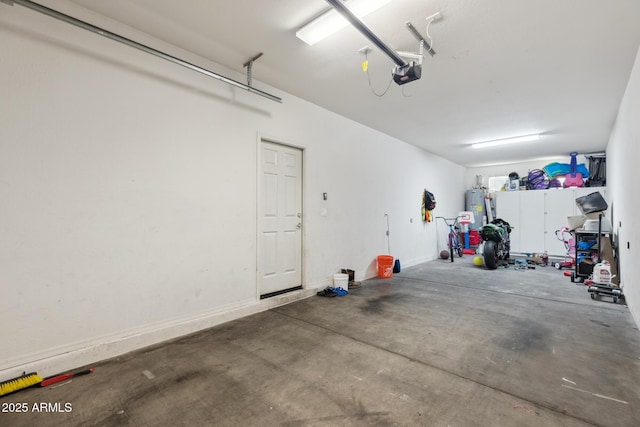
474	202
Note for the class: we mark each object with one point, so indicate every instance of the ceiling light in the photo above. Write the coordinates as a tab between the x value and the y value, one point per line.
331	21
525	138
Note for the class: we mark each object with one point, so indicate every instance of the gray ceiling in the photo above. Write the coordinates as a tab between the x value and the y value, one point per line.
503	67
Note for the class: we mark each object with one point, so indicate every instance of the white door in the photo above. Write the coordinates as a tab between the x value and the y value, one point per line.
280	218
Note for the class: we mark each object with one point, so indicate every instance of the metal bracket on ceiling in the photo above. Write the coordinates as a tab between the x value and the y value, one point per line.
422	43
360	26
249	66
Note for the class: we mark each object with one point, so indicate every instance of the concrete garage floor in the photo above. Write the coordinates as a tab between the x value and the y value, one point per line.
440	344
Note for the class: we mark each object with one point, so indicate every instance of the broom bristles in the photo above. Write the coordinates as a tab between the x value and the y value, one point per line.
23	381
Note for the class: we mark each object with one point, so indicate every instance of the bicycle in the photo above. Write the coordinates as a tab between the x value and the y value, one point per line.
454	236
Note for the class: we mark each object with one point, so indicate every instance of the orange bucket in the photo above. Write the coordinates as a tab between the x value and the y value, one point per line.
385	266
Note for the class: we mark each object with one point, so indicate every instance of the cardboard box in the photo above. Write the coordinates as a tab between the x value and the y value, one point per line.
575	222
606	253
594	215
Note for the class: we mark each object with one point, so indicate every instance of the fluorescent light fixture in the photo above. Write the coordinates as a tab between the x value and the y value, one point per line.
496	142
331	21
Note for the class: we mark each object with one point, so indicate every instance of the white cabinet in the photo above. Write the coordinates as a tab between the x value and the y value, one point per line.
532	229
537	214
558	205
509	210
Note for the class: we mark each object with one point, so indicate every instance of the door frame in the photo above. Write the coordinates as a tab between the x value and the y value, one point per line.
259	140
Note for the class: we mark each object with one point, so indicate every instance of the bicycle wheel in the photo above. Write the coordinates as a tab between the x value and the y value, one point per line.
451	237
458	245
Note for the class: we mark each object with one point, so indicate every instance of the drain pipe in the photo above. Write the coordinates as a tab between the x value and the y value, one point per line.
108	34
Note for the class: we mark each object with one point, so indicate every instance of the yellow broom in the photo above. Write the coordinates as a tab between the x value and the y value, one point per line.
23	381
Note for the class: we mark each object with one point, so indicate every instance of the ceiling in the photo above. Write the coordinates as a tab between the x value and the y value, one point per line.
502	68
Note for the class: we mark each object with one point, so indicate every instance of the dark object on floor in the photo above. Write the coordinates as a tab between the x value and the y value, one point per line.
333	292
328	292
340	292
396	266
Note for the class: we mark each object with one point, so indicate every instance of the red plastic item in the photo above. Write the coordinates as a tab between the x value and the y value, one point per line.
59	378
474	237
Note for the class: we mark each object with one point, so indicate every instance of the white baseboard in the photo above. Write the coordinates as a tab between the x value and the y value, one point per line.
107	347
416	261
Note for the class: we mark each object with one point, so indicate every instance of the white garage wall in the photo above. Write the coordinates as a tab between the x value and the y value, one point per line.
128	189
623	182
